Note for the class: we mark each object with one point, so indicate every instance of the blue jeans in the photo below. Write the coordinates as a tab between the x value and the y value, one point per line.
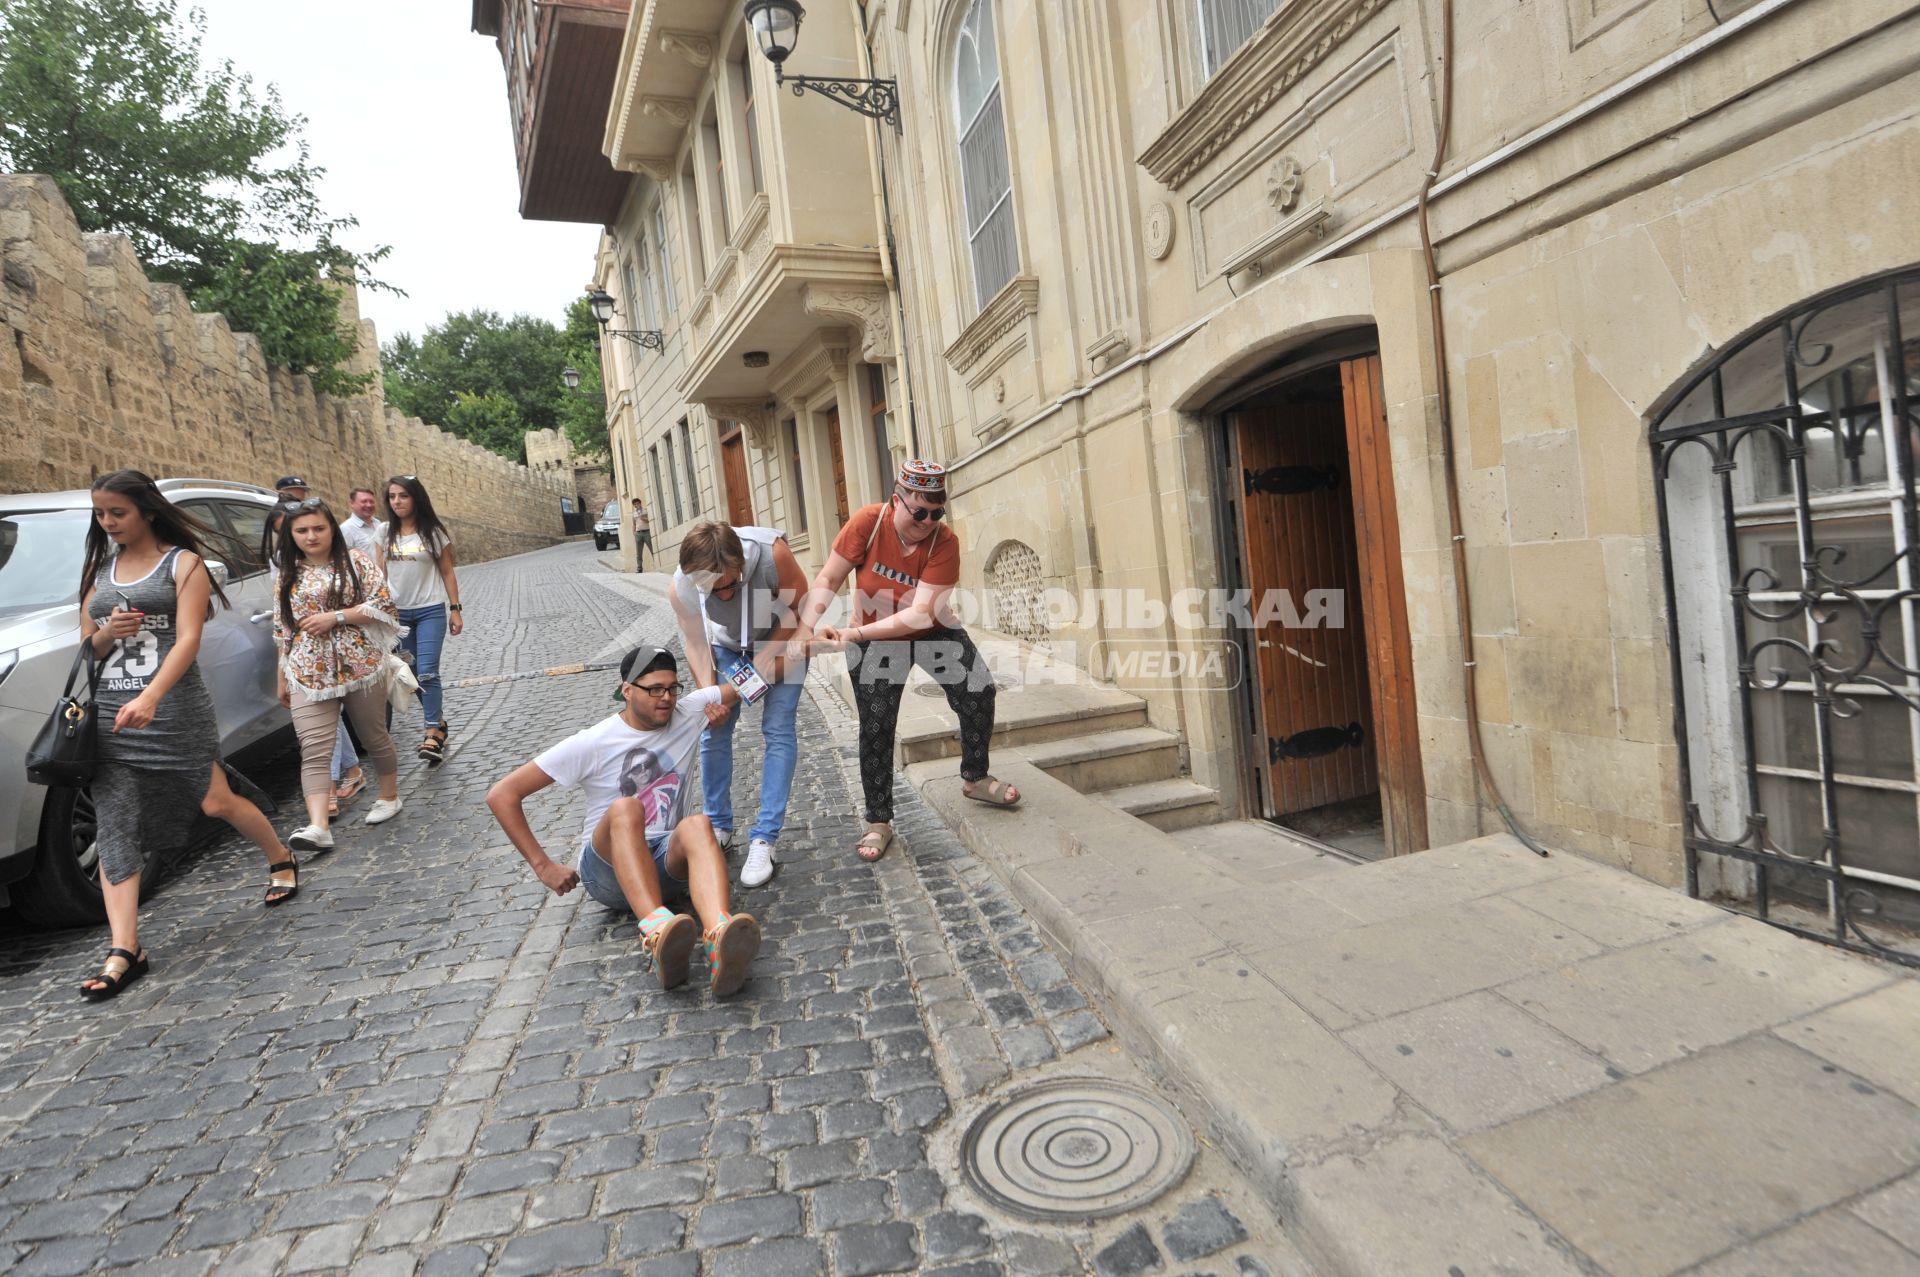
345	759
777	709
426	635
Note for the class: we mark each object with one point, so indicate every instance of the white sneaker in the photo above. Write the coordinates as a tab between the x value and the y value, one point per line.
725	837
760	862
311	838
383	810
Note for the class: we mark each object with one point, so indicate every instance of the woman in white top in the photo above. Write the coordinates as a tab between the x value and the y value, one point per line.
417	556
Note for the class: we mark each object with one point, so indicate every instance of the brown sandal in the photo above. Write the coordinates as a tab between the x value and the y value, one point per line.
874	843
993	792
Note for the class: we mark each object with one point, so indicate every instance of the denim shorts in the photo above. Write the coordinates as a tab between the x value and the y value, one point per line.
597	876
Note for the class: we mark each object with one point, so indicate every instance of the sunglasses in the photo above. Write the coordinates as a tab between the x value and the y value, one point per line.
301	507
922	513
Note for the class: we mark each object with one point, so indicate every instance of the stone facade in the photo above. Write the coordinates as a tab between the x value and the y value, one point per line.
550	450
102	369
1665	178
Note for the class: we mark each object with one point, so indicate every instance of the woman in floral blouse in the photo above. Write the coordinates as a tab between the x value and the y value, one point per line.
334	623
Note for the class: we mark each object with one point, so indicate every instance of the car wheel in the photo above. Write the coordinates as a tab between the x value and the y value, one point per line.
599	543
64	888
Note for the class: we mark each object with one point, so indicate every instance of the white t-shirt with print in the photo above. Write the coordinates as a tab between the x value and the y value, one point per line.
611	760
413	570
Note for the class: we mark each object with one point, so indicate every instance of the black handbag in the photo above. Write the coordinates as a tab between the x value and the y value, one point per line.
64	751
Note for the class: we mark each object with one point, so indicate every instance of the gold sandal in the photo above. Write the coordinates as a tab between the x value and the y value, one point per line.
874	843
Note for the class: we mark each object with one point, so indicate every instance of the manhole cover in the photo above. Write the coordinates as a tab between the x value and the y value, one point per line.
1076	1148
1000	681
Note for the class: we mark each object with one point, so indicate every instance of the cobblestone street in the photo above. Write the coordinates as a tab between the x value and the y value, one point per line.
427	1063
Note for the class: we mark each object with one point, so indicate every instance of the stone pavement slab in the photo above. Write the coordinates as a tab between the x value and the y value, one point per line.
1479	1060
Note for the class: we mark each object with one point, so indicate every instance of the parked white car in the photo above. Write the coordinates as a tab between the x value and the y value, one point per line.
49	871
606	531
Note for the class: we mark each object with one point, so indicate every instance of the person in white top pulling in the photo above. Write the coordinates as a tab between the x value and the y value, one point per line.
636	849
417	557
734	595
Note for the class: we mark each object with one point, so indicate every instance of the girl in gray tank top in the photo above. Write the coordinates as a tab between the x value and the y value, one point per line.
145	596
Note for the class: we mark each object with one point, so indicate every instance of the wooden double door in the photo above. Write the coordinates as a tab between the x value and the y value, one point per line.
1312	477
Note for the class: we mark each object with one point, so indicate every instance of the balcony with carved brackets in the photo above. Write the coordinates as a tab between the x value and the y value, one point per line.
560	57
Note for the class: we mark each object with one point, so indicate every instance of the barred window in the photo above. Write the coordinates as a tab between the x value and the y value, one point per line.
1225	25
985	177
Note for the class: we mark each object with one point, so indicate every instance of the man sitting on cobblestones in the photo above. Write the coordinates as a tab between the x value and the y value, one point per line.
632	768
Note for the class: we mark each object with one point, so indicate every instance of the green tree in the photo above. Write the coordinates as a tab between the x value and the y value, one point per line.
491	421
208	177
478	354
583	413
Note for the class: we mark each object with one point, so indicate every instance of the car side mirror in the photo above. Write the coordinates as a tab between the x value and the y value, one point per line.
218	571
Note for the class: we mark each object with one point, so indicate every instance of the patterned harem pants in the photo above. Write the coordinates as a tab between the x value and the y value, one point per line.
879	674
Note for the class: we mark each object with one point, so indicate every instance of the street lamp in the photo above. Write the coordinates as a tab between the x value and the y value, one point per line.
776	29
571	376
601	303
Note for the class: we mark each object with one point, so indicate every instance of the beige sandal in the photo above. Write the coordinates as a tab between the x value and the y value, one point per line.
993	792
874	843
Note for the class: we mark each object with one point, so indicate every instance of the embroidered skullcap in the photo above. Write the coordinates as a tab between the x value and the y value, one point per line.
923	476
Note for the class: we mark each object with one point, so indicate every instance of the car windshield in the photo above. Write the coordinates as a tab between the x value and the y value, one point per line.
612	513
40	554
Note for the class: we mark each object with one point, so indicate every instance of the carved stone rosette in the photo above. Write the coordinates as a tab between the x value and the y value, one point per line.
756	418
863	306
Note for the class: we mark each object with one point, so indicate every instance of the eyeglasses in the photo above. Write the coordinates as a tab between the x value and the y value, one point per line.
922	513
660	689
301	507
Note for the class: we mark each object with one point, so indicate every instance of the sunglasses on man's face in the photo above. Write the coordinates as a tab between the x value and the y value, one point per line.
921	513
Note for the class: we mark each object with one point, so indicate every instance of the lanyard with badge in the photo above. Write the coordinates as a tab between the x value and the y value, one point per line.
745	678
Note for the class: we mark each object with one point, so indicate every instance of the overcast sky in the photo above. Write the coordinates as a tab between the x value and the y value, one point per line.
407	111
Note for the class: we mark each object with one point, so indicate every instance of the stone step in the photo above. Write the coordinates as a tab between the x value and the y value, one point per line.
1167	805
1108	760
1024	715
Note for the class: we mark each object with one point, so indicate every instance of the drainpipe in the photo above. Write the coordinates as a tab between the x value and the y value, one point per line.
1463	604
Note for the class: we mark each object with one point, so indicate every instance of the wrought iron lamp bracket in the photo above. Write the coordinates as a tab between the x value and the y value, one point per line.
876	99
650	338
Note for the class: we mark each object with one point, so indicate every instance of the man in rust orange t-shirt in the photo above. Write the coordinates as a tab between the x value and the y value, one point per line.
904	564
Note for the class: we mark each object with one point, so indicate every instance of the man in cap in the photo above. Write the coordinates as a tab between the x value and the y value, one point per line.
291	487
636	849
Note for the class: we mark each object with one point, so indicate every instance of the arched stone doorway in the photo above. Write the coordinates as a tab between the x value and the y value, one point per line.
1306	484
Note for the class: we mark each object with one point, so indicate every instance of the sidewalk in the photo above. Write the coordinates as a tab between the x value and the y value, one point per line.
1476	1060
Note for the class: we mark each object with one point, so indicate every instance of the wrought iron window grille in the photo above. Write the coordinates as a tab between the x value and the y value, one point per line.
1790	547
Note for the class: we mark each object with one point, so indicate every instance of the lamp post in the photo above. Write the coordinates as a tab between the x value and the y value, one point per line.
601	303
775	25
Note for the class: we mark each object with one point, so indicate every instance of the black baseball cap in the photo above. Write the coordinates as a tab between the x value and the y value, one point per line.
642	661
286	481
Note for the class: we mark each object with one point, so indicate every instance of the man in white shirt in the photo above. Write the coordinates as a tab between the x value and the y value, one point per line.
636	847
363	532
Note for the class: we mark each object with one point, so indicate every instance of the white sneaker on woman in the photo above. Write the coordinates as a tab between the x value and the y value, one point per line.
759	865
311	838
383	810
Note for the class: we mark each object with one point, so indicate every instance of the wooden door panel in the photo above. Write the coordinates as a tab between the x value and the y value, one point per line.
1299	529
1403	800
733	458
839	465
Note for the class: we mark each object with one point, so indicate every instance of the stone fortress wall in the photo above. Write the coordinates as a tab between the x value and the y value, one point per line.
552	450
101	368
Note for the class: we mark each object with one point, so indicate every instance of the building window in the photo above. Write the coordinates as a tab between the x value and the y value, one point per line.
795	482
717	165
673	480
882	422
986	180
743	72
690	208
639	304
1787	503
659	488
666	260
686	456
1225	25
